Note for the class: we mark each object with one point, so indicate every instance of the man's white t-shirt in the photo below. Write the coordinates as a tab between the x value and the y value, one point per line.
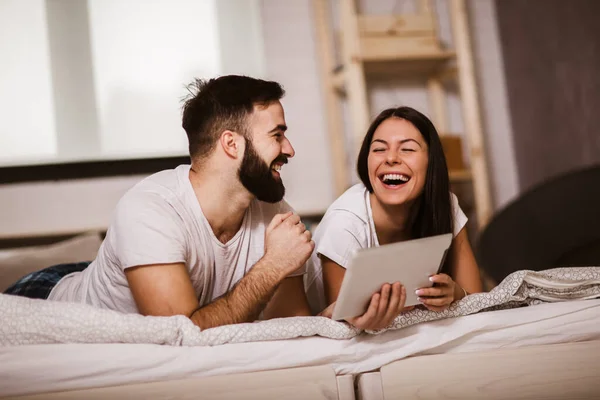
160	221
346	227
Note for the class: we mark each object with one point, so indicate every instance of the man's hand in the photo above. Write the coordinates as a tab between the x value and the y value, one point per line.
440	296
288	244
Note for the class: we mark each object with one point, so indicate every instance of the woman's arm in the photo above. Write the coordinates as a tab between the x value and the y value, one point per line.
333	275
289	300
463	267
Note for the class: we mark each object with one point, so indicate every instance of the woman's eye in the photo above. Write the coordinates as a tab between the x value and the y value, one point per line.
407	149
378	150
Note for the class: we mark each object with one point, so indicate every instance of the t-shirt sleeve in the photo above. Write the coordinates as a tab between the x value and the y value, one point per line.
340	235
146	229
460	219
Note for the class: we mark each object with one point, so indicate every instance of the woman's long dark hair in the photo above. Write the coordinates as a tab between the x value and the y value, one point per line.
434	214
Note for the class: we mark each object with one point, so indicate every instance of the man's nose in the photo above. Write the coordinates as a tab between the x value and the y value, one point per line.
287	149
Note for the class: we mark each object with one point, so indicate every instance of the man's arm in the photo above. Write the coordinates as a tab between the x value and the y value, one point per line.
245	301
289	300
166	289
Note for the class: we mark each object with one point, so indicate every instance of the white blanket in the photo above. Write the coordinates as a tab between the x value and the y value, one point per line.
26	321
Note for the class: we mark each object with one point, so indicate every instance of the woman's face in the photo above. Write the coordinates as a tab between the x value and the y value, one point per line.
397	162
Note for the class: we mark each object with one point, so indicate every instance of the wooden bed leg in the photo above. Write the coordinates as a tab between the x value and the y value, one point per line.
369	387
345	385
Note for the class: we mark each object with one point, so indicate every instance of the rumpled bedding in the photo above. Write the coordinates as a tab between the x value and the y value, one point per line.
28	321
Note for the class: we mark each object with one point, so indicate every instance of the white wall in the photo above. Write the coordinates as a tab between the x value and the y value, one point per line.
65	207
494	100
143	53
104	79
290	51
241	42
26	104
75	113
291	59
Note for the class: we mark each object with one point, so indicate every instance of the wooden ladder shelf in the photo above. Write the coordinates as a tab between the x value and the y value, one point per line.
401	46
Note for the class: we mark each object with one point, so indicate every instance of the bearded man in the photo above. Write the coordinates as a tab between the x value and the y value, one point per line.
214	240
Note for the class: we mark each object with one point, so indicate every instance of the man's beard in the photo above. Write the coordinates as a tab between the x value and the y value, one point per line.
257	176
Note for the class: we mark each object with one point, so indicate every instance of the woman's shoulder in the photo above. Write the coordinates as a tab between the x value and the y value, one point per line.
351	203
454	204
347	213
460	218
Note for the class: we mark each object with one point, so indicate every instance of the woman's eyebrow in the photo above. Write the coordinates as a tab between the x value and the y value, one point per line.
410	140
401	142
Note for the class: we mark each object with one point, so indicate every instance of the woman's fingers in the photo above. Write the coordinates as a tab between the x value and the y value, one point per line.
384	302
402	300
364	321
396	299
440	296
441	279
436	301
383	308
433	291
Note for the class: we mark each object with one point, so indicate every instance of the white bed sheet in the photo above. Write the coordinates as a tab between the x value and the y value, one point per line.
56	367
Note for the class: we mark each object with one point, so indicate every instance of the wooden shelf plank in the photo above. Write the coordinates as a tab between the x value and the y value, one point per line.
403	66
406	68
460	175
402	24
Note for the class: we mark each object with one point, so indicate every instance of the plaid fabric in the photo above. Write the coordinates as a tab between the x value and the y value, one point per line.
39	284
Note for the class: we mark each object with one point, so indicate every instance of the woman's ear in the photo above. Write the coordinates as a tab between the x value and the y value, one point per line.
232	143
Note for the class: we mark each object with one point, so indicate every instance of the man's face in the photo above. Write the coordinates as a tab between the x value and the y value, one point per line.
266	153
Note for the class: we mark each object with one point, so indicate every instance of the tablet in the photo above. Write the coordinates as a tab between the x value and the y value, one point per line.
411	263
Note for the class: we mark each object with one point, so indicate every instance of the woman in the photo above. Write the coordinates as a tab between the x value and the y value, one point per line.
404	195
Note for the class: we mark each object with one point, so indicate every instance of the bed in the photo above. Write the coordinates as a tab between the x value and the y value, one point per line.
534	336
547	348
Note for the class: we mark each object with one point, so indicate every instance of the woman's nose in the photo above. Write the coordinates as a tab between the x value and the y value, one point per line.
393	158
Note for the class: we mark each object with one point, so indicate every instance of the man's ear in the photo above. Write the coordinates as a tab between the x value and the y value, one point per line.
232	143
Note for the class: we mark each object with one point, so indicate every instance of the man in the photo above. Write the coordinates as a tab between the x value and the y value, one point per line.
212	240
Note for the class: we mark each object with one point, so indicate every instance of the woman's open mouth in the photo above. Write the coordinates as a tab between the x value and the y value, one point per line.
394	181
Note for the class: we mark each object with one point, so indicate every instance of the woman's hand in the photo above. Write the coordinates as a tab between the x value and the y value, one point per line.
384	307
441	295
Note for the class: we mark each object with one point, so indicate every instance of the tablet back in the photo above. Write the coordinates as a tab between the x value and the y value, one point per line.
410	262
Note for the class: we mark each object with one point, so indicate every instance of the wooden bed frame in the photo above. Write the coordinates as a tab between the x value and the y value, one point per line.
560	371
318	383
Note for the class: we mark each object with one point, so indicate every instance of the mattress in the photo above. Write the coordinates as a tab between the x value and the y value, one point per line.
31	369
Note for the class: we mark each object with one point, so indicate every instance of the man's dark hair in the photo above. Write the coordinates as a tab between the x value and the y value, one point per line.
434	214
220	104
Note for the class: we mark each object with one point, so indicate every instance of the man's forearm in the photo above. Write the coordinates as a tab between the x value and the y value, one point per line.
244	302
